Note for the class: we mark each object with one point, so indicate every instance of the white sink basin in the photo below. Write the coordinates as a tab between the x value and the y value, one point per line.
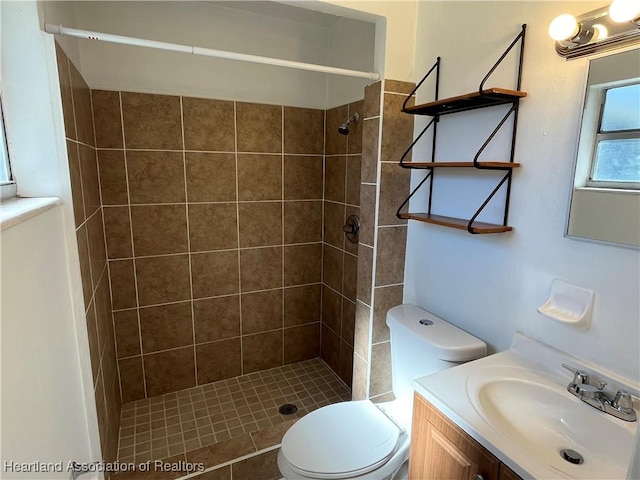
515	403
542	418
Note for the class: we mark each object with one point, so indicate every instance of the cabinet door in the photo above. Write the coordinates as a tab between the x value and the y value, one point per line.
442	451
507	474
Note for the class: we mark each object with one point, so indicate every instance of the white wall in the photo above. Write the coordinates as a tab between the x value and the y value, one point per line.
491	285
350	46
43	412
395	30
206	24
48	406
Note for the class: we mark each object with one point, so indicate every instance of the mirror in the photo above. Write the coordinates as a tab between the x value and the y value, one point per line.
605	195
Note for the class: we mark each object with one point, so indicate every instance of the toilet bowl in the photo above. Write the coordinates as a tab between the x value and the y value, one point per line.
360	439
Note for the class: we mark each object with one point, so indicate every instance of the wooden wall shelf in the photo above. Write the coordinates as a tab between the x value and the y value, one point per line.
480	165
481	98
459	223
470	101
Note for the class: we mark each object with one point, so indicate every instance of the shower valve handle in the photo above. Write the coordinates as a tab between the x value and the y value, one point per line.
350	228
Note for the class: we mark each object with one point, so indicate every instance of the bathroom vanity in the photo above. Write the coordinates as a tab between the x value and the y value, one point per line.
440	449
516	414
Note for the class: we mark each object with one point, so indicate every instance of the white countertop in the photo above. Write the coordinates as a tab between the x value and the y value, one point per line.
451	391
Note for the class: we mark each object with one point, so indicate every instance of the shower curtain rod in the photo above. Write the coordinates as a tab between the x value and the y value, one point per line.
207	52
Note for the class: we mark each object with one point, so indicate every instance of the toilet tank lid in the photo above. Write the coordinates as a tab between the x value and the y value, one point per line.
443	340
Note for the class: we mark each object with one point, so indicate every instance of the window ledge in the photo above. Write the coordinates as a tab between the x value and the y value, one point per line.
17	210
621	191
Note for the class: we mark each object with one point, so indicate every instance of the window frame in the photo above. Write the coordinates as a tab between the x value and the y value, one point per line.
8	187
599	136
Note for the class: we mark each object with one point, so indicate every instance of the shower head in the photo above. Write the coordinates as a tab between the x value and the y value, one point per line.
344	128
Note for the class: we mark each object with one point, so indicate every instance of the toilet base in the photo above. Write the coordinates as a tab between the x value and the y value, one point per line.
403	472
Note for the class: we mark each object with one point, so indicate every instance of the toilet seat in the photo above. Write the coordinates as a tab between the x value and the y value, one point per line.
340	441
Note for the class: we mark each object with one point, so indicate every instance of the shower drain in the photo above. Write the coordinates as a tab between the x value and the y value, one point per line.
288	409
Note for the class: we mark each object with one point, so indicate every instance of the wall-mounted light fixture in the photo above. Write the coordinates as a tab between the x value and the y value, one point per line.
596	31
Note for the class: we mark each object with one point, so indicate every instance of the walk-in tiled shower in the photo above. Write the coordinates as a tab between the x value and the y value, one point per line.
220	223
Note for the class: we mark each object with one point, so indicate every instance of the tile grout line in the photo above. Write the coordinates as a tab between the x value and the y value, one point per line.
237	202
91	298
345	202
398	93
324	168
77	142
376	219
186	207
293	200
101	279
182	430
76	147
289	287
133	248
175	254
282	172
221	152
99	371
108	279
181	347
93	293
344	244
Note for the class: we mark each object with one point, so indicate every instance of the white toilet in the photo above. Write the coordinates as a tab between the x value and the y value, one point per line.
363	440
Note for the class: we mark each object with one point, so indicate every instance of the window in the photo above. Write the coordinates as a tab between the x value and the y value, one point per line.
5	170
7	185
616	151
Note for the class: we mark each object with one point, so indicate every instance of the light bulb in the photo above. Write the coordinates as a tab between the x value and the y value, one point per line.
563	27
601	32
624	10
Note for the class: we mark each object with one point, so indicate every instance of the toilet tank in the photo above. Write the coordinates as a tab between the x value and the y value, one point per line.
422	343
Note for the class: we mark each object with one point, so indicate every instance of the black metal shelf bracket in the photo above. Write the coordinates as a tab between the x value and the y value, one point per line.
486	202
436	67
406	201
519	37
476	164
403	163
513	110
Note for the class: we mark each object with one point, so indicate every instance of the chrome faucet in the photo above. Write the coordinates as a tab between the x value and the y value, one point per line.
620	406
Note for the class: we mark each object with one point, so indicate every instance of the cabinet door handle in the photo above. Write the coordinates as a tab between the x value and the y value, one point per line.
477	476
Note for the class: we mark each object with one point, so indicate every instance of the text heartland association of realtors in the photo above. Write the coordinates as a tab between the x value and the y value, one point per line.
48	467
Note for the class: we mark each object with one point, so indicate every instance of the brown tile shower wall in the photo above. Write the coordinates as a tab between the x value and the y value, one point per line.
343	157
213	222
83	169
381	259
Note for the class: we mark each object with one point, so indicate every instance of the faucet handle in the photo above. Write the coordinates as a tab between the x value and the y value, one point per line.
579	377
622	401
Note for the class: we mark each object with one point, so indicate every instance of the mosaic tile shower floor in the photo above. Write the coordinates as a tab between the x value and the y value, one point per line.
166	425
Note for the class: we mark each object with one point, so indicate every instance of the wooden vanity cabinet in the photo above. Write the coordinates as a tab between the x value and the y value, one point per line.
440	450
507	474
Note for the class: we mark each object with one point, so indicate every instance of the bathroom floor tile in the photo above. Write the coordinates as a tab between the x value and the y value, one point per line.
198	417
